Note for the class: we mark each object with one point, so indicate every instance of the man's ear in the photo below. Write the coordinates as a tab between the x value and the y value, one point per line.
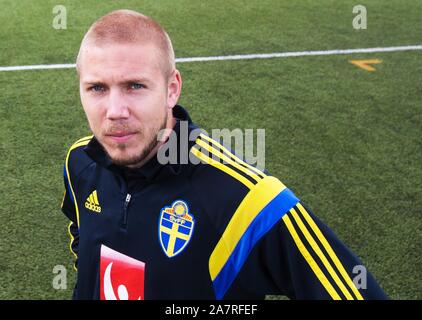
174	88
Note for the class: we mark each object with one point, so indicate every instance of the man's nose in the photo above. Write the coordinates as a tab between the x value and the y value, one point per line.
117	107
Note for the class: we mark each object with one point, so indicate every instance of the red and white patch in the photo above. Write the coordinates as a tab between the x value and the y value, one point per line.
121	277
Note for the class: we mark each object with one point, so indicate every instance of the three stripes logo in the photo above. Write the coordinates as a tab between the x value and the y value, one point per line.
92	202
212	152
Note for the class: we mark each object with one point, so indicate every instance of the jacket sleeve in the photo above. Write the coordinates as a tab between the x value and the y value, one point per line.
300	257
68	208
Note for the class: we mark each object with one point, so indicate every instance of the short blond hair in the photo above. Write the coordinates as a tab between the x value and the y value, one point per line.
127	26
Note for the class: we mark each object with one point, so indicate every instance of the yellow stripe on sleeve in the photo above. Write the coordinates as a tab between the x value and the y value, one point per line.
257	171
74	146
330	251
320	254
228	160
70	244
253	203
314	266
222	167
64	196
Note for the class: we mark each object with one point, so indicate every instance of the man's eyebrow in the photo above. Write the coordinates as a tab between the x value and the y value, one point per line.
134	80
124	81
90	82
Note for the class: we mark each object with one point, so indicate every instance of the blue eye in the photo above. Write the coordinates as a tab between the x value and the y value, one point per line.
136	86
97	88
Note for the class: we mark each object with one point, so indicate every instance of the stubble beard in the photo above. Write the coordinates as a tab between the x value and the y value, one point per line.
137	159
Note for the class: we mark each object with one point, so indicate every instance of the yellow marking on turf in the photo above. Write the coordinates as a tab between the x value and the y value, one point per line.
365	64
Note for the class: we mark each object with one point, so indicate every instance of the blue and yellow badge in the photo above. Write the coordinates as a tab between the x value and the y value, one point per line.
175	228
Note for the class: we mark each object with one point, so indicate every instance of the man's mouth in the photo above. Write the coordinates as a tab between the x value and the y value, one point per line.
120	136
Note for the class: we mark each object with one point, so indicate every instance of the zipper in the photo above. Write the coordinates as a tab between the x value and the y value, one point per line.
126	205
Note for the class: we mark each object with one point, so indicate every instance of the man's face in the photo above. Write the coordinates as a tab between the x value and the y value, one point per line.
125	95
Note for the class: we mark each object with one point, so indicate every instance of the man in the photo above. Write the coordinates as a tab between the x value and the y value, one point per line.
217	229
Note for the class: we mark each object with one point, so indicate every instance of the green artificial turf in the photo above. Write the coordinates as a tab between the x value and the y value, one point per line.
346	141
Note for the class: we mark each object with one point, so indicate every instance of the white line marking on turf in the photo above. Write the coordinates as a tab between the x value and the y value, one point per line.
241	57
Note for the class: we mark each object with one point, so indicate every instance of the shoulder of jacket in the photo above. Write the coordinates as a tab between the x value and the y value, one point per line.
228	188
76	158
216	165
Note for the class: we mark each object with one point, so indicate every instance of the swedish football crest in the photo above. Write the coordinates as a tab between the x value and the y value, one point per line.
175	228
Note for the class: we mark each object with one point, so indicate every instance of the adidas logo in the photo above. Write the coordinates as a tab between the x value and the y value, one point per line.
92	203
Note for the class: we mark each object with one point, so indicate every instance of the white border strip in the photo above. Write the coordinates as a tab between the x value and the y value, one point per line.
241	57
